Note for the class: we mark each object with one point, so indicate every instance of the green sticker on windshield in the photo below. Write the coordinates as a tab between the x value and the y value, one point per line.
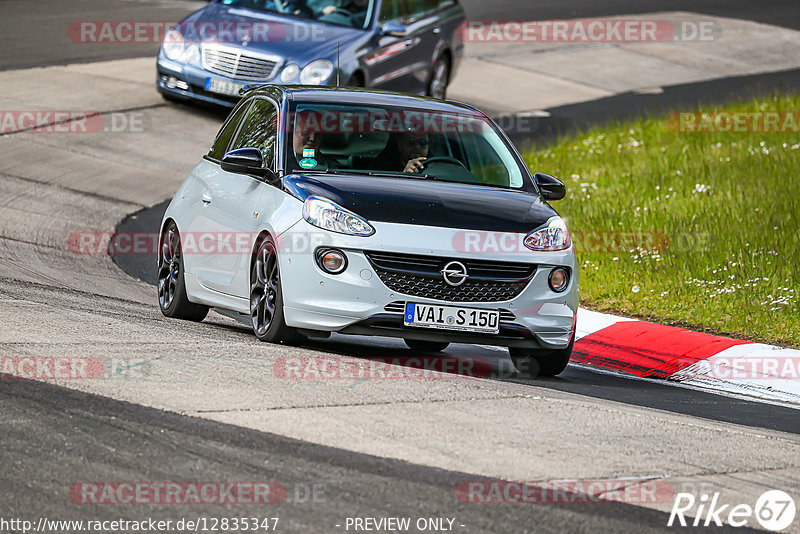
308	163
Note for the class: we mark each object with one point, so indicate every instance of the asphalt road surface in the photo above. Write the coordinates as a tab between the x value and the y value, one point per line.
51	434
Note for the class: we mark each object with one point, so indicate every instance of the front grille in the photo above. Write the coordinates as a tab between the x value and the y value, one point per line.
400	307
239	64
489	281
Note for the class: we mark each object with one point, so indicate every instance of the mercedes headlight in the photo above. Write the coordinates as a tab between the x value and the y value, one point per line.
289	73
551	236
173	44
317	72
328	215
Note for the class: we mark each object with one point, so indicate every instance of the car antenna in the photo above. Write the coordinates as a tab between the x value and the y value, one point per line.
338	64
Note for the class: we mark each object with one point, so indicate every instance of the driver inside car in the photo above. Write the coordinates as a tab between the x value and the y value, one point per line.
404	152
357	10
307	140
298	8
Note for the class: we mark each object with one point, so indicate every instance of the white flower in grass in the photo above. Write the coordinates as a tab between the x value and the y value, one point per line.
636	289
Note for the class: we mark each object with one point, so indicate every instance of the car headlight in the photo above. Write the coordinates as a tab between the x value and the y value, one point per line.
317	72
173	44
290	73
192	55
551	236
328	215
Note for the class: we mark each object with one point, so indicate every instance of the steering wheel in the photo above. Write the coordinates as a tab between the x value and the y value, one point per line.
290	7
446	160
340	13
451	169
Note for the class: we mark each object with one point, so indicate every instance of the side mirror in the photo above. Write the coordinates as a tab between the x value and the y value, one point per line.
551	187
394	29
247	161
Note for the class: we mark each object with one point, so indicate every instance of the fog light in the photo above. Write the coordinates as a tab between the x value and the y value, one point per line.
174	83
559	279
331	261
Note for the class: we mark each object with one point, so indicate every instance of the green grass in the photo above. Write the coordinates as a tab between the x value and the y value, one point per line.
693	229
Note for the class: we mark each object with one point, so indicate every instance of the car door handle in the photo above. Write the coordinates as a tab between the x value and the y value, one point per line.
206	197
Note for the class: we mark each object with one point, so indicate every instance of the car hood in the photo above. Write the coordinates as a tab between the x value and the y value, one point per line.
289	37
426	202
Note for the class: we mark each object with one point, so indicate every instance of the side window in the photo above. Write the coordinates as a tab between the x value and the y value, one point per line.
260	130
220	146
485	163
418	8
393	10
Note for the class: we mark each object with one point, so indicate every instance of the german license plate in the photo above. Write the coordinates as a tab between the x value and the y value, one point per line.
452	318
223	87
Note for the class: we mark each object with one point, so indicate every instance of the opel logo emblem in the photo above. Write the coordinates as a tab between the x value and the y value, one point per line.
454	273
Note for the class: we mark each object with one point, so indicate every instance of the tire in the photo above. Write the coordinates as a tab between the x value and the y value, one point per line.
440	77
266	298
172	299
532	363
426	346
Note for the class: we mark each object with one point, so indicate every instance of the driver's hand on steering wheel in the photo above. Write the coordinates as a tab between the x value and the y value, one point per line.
328	10
414	165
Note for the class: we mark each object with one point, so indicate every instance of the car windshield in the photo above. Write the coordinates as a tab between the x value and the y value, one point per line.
351	13
463	147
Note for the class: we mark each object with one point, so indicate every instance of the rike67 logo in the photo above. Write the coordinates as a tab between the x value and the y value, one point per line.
774	510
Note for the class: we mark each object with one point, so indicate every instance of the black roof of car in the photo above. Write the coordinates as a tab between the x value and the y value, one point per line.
354	95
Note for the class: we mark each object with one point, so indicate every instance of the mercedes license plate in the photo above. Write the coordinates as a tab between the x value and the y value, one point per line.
223	87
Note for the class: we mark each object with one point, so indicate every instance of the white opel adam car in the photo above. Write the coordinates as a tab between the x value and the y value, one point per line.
364	212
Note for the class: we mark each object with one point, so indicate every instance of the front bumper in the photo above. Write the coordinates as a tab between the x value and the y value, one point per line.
391	325
188	82
191	81
358	302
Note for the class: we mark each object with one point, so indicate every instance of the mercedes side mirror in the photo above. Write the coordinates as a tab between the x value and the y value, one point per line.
551	187
394	29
